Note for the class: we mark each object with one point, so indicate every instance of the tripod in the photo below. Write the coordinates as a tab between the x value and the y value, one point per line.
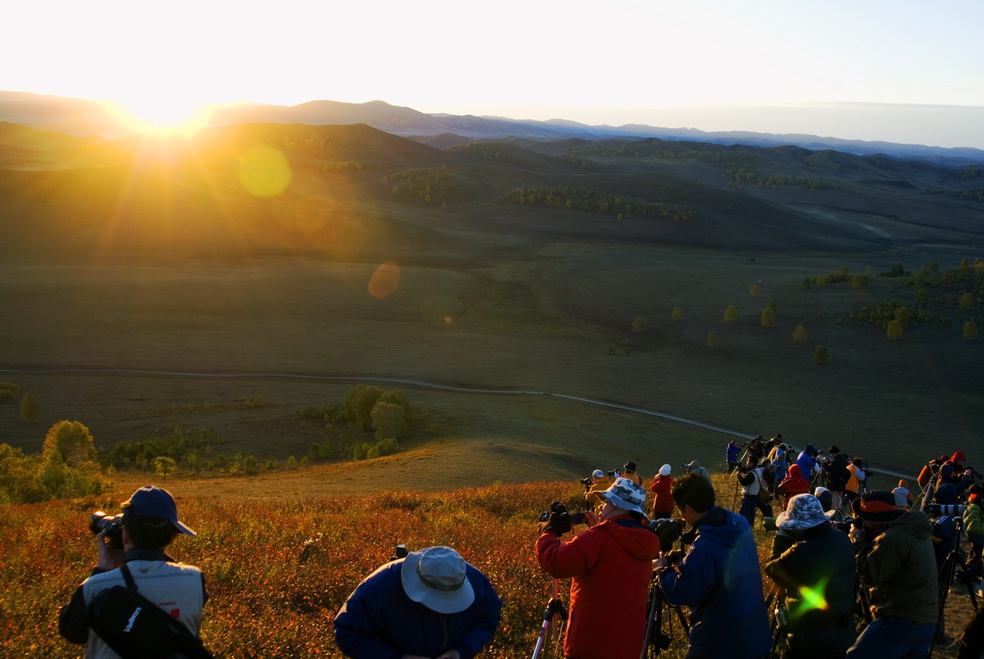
946	576
778	620
551	632
657	639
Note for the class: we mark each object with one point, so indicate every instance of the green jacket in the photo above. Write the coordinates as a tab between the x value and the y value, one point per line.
900	571
973	519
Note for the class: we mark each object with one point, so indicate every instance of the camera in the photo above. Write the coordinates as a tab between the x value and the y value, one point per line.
113	526
939	509
586	482
555	507
668	530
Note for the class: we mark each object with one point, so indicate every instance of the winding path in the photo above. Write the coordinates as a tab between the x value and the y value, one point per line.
408	382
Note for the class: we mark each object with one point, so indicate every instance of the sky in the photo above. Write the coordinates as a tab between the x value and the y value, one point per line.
906	71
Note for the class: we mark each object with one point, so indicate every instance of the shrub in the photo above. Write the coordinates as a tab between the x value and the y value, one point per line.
29	408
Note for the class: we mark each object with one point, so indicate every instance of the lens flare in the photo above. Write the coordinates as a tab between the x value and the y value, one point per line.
264	171
384	281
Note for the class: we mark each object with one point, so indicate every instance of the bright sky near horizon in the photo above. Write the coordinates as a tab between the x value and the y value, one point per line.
895	70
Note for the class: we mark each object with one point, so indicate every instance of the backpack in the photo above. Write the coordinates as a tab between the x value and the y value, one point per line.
836	475
133	626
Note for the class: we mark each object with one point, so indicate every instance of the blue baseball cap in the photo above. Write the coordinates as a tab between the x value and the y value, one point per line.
154	501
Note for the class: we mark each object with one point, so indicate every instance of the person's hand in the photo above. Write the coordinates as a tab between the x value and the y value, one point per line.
450	654
109	558
558	523
591	519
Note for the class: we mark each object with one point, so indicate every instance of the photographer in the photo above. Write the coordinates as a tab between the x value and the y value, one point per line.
754	490
663	504
719	578
429	605
899	570
629	471
973	524
810	556
149	524
792	485
611	569
731	455
694	468
599	483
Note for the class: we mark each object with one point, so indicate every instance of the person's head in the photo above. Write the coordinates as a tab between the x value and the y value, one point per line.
833	450
623	497
693	465
958	457
903	483
665	470
857	462
694	496
629	467
150	519
437	578
803	512
825	497
877	509
795	471
752	462
597	475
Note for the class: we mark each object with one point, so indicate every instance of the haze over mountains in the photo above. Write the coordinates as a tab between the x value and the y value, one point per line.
85	117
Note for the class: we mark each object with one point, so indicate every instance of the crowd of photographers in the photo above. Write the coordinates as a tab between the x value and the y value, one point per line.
855	573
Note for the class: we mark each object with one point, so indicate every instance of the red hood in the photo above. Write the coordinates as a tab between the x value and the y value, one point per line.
795	471
641	543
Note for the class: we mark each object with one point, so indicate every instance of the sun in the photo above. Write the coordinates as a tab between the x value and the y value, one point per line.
162	115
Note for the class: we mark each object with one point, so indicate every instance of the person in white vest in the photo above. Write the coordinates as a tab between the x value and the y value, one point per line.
149	523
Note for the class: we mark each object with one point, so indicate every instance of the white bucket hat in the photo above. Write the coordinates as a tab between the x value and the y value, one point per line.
436	577
803	511
665	470
625	494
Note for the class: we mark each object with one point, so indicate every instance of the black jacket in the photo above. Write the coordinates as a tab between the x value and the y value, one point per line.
822	560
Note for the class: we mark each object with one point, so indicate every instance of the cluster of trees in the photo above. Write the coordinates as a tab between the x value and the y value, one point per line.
385	413
66	467
744	174
431	186
29	407
584	199
842	274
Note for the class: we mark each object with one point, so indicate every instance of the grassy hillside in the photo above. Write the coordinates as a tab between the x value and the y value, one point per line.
198	261
278	569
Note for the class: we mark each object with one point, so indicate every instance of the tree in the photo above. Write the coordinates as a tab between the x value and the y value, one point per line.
970	330
967	301
389	420
712	340
397	397
800	335
731	314
8	391
922	297
29	408
894	330
903	315
677	313
638	323
359	402
72	441
768	318
164	466
627	351
820	355
754	290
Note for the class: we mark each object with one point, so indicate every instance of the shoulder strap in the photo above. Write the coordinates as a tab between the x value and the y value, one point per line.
128	578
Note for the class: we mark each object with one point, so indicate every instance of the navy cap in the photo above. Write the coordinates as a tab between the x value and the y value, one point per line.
154	501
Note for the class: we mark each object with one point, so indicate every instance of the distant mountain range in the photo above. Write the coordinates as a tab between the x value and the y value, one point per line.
83	117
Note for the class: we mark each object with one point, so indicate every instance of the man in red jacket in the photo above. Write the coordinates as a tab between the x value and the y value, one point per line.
611	567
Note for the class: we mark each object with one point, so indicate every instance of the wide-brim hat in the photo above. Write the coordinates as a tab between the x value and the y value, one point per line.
625	494
803	511
154	501
437	577
877	507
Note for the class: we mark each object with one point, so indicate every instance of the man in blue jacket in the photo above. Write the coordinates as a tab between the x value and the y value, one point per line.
430	605
718	578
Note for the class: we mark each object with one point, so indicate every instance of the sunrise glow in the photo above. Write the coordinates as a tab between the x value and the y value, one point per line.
162	116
